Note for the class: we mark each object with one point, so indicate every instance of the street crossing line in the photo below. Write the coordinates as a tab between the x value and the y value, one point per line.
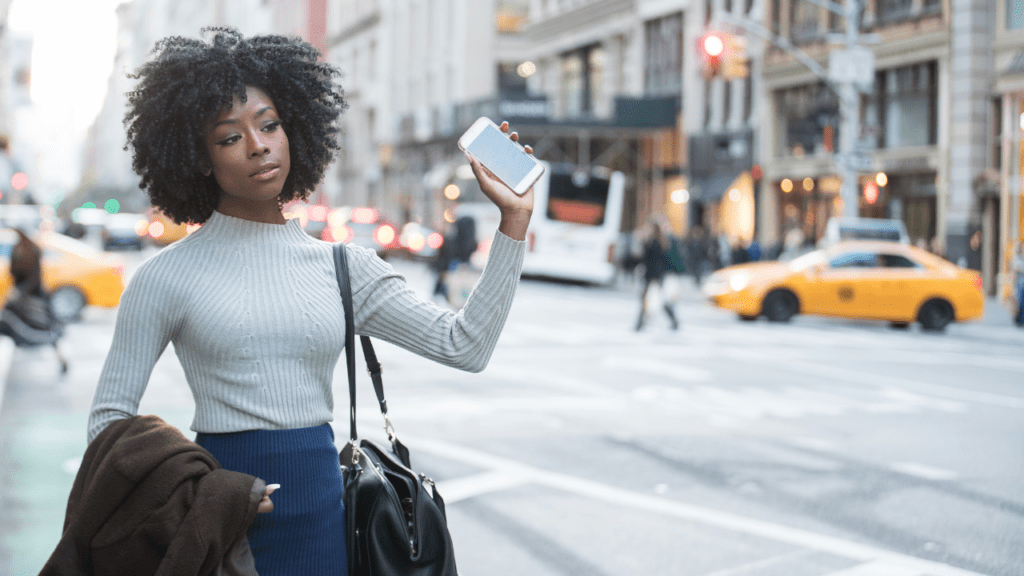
877	569
874	558
860	377
764	563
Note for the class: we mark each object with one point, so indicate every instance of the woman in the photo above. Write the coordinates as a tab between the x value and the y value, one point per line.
223	134
656	265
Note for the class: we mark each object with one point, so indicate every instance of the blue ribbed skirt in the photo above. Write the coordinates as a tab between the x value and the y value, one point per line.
305	534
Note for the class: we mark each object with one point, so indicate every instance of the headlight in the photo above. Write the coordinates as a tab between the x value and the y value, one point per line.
739	281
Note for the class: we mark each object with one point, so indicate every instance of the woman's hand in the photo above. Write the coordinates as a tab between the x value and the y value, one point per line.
265	504
515	209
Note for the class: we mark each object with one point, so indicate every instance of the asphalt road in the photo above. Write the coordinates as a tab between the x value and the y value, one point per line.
815	448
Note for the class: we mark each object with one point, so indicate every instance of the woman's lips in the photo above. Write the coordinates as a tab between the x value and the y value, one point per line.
267	174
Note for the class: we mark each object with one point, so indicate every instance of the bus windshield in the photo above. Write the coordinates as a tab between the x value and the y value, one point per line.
575	199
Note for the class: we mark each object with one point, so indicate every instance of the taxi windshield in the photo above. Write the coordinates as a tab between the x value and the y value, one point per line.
807	260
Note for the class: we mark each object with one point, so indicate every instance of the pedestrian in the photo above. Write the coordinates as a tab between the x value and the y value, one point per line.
697	254
1018	268
27	317
224	130
656	265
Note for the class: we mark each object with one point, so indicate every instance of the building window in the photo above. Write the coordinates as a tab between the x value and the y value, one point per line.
893	9
804	23
748	98
906	106
777	16
1014	15
510	82
996	162
663	68
810	119
707	102
582	80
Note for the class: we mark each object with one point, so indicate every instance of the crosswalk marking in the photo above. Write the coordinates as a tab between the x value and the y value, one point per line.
875	561
878	568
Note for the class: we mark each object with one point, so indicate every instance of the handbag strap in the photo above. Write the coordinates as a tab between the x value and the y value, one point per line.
372	364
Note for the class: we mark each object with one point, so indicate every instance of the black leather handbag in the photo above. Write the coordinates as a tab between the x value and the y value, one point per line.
395	518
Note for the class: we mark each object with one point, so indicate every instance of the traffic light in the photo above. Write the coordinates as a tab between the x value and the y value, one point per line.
711	46
736	61
723	54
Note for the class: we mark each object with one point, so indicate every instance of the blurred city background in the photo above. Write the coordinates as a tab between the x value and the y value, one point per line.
837	437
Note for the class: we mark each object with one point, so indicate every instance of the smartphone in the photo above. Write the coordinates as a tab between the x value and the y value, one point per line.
503	157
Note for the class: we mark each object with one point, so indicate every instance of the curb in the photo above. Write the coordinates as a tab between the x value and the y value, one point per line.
6	359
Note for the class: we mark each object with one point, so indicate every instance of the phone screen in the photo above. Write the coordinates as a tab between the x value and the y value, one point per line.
501	156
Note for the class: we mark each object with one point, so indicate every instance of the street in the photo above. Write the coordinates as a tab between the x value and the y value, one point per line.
818	447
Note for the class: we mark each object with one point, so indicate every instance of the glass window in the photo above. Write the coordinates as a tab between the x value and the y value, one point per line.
896	261
804	24
572	84
893	9
663	70
906	105
805	112
577	197
854	260
1014	15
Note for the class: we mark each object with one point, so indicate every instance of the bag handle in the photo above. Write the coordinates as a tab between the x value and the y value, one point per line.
372	364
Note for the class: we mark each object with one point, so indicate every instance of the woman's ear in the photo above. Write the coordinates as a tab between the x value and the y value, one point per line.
203	167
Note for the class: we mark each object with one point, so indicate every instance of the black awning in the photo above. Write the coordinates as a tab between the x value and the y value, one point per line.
711	188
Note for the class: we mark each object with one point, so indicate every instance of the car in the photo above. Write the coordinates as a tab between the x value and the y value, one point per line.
125	230
862	279
363	227
419	242
76	274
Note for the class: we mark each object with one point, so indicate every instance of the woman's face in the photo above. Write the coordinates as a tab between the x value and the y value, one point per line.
249	152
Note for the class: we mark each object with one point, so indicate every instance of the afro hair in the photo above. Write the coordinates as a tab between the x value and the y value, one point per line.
188	82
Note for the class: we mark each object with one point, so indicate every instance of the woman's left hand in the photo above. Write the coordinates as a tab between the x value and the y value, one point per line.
515	209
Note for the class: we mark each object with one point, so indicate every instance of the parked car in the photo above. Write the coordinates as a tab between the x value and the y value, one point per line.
853	279
75	274
362	227
125	230
419	242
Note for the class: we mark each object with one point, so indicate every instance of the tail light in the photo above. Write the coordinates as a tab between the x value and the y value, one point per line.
341	233
531	239
978	283
384	235
435	240
416	242
611	253
118	269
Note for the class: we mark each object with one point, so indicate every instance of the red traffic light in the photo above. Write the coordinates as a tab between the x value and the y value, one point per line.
712	45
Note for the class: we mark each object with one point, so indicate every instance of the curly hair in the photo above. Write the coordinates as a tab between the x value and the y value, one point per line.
188	82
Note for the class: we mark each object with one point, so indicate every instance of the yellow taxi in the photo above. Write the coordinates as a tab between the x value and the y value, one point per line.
854	279
75	274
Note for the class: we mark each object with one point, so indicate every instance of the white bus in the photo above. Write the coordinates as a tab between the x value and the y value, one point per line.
575	225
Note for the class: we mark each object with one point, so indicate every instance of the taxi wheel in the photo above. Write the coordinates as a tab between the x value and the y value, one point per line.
67	303
935	315
780	306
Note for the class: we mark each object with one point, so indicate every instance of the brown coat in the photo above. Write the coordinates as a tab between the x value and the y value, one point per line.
147	500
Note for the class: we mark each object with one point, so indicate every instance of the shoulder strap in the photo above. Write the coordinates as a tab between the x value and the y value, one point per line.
345	285
372	364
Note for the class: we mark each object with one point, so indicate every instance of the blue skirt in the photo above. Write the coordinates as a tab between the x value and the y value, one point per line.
305	534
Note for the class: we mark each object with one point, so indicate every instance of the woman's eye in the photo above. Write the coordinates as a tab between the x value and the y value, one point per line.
229	140
272	126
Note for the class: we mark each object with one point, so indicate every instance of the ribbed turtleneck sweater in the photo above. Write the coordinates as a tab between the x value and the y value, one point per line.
255	316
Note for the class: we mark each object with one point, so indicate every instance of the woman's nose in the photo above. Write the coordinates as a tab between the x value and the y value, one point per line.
259	146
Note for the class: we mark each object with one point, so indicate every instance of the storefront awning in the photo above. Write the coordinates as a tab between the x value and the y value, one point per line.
711	188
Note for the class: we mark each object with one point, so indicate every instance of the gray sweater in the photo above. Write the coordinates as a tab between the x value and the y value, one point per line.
255	316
